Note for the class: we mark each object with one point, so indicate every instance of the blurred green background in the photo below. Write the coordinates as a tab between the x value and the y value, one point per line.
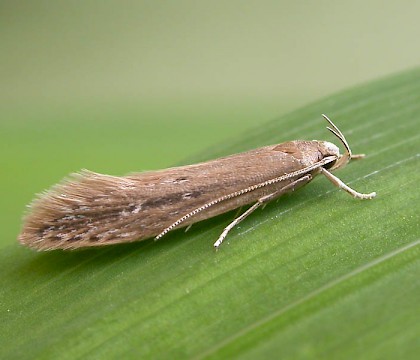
121	86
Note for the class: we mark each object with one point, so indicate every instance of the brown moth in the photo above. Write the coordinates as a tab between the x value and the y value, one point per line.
90	209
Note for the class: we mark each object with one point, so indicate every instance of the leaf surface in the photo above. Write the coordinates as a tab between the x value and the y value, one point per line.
316	274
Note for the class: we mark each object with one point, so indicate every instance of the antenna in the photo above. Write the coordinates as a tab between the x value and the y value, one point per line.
344	159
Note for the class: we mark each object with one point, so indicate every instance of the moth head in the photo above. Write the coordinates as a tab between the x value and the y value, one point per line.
342	159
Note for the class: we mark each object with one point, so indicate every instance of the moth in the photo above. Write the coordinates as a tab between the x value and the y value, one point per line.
90	209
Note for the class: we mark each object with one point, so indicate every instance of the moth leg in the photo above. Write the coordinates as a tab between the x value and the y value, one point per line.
357	156
236	222
265	199
337	182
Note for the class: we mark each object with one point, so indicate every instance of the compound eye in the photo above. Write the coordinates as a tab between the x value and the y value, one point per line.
330	164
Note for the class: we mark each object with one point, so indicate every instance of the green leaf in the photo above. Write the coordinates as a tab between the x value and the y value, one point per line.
316	274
